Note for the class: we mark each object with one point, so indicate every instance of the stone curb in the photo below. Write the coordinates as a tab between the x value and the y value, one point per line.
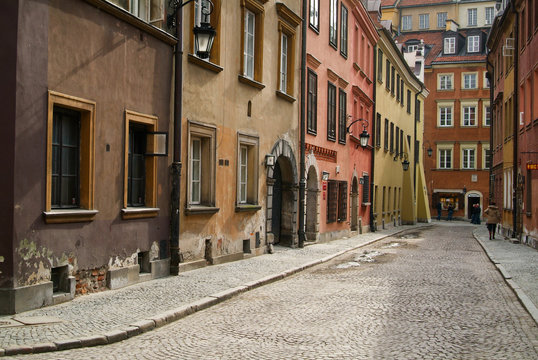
170	316
520	294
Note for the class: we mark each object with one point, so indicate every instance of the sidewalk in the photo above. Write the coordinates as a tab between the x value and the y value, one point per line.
518	265
116	315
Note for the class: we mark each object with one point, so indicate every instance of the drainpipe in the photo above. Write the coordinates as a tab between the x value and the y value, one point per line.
302	181
417	119
175	169
515	176
491	79
372	161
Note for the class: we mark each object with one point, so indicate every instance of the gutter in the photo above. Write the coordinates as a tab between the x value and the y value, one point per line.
491	79
302	165
515	177
372	227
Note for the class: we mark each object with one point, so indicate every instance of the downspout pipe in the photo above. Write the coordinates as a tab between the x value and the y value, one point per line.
175	169
372	160
491	79
416	156
515	176
302	166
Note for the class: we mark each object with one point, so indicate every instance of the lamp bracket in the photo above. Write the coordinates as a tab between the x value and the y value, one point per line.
176	4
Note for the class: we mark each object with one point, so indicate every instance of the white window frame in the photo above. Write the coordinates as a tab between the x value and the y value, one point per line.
247	169
243	174
472	17
424	21
448	111
486	109
412	48
485	149
445	81
333	23
449	45
442	151
466	120
469	80
314	14
485	81
441	19
195	183
468	157
473	43
284	39
489	15
249	53
407	22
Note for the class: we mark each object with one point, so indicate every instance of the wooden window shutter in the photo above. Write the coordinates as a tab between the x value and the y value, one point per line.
332	201
342	201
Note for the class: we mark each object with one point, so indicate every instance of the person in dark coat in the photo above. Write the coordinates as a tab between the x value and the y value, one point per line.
439	210
478	211
450	211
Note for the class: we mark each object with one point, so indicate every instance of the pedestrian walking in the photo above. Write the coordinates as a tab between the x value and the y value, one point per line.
439	210
478	212
450	211
493	217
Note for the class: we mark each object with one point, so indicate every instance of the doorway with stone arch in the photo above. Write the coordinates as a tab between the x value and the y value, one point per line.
354	204
312	210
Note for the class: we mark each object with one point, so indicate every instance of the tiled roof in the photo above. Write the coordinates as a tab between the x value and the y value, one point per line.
388	2
434	41
422	2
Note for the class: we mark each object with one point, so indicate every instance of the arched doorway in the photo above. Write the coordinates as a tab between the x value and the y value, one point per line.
354	204
472	198
312	204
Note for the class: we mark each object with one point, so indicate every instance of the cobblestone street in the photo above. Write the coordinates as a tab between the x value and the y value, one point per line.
428	293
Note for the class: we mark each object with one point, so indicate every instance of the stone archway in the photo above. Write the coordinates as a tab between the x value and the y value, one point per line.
473	197
282	195
312	196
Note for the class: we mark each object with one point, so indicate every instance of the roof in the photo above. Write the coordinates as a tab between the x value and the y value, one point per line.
404	3
389	3
433	40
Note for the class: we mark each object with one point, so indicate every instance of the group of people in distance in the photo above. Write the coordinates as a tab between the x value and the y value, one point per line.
491	215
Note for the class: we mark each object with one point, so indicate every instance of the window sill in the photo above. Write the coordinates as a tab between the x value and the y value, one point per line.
69	216
205	64
138	212
253	83
247	208
285	96
200	209
366	204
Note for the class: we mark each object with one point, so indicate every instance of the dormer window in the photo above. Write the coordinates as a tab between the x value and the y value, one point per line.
473	44
450	45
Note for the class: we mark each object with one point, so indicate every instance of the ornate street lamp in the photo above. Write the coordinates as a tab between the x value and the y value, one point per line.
405	162
364	136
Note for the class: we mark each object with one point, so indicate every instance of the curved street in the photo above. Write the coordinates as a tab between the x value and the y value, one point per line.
427	293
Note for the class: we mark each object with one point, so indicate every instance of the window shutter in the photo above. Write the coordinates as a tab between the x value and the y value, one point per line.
332	201
366	189
342	201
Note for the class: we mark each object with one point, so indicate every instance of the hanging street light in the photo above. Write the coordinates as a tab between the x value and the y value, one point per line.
364	136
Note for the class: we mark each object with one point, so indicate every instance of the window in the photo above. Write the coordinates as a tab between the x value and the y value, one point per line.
386	135
365	188
379	65
287	24
392	80
331	112
445	116
469	115
490	14
409	101
70	159
343	31
411	48
378	130
387	74
336	201
140	184
391	137
486	80
450	45
406	22
312	104
445	158
402	92
401	142
252	43
150	11
398	87
486	156
468	159
445	82
473	43
487	115
314	14
247	171
469	81
342	116
471	17
424	21
284	63
201	168
333	23
441	19
200	13
397	138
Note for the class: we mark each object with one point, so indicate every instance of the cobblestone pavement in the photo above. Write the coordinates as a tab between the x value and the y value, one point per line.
429	293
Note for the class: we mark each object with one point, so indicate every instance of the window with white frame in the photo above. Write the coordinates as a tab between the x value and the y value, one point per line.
283	62
487	115
287	24
469	81
150	11
445	81
469	115
314	14
486	156
251	50
412	48
471	17
407	22
343	31
333	23
445	115
485	81
450	45
468	158
424	21
247	170
201	165
444	159
490	14
248	47
441	19
473	43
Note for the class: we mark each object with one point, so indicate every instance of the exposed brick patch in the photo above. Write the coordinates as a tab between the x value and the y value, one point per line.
90	281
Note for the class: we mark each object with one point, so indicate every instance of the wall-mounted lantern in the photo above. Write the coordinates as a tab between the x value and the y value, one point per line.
429	150
364	136
405	162
325	175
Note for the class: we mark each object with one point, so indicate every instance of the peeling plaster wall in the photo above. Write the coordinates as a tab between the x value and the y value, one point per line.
73	48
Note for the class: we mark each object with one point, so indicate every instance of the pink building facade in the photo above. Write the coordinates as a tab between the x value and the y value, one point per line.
340	72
